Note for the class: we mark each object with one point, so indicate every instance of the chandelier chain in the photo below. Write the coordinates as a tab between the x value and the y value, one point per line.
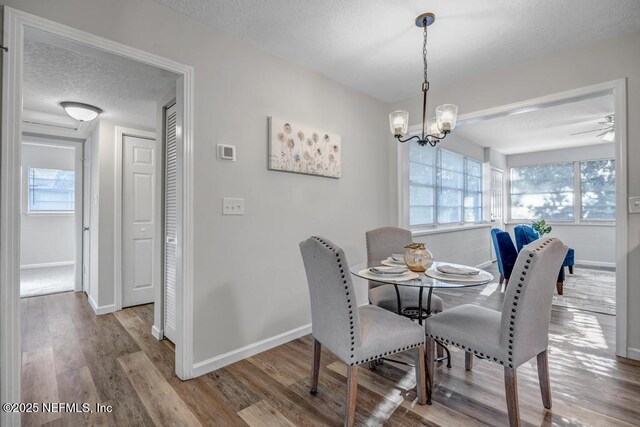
424	51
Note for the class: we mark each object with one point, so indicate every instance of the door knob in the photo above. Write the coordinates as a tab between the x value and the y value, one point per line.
85	228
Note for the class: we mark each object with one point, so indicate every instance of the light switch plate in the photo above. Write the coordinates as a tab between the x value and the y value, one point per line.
232	206
634	204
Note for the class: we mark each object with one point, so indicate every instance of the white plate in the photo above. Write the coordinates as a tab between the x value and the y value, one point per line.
409	275
391	263
481	277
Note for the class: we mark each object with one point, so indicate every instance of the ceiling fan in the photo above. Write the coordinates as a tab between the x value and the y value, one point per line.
607	129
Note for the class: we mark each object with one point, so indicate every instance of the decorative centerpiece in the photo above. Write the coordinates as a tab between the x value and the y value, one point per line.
541	227
417	257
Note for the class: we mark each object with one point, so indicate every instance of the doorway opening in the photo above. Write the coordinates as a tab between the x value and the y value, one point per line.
564	161
131	87
51	210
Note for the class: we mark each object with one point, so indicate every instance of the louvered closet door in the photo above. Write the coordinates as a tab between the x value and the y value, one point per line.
170	225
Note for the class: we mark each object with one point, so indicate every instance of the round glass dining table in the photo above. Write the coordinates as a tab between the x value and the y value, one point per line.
422	282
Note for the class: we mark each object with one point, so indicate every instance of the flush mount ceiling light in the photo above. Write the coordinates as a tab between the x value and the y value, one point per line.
436	128
81	112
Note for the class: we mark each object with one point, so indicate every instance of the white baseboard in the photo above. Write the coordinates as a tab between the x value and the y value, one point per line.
595	263
217	362
157	333
47	264
633	353
102	309
484	264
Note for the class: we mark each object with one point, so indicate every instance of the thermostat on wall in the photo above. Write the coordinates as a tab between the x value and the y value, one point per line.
226	152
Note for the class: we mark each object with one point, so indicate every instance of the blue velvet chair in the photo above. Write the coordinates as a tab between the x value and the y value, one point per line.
525	234
505	253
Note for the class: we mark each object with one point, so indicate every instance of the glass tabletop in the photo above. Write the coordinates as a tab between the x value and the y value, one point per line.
422	281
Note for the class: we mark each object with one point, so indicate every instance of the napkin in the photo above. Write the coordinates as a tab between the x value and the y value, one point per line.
461	271
387	270
397	257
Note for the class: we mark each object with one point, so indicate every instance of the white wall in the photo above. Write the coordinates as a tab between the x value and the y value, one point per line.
251	263
45	238
569	69
470	246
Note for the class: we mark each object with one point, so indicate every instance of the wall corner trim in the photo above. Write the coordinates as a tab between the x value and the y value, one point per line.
157	333
633	353
98	310
217	362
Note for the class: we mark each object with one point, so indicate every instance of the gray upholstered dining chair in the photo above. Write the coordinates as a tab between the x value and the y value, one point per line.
516	334
354	334
381	243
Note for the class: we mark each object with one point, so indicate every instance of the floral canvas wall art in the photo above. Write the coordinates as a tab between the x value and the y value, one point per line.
302	149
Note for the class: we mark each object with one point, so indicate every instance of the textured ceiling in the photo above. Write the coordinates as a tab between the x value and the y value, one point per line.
374	45
58	70
545	129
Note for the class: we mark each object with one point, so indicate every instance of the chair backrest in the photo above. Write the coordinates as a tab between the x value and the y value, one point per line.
526	312
384	241
525	234
506	253
334	311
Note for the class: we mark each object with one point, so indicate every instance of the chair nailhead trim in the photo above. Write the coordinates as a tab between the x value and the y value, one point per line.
346	288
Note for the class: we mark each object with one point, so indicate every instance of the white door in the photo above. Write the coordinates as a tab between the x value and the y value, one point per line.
138	220
86	217
170	224
497	201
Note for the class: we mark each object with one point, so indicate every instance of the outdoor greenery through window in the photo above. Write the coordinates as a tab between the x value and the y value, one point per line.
549	191
444	187
598	188
51	190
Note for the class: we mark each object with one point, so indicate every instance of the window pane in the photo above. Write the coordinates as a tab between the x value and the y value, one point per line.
450	198
420	215
542	178
474	183
420	174
598	182
451	161
473	215
449	214
422	155
51	190
449	179
548	206
420	196
474	168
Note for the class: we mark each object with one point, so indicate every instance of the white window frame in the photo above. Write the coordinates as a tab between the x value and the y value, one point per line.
577	196
403	194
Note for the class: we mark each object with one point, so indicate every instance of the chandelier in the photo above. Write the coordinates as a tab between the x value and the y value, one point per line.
436	128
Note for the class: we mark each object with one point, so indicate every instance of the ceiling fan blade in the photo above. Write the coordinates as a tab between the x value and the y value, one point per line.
587	131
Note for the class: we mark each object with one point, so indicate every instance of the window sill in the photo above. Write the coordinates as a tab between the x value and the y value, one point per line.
447	229
569	224
42	214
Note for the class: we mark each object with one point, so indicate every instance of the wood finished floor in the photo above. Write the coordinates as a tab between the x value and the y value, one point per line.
70	355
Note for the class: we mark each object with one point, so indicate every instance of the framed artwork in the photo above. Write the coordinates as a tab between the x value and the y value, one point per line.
303	149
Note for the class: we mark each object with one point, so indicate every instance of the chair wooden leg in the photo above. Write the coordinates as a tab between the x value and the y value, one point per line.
468	360
559	287
352	389
511	390
421	379
571	269
315	368
543	377
430	344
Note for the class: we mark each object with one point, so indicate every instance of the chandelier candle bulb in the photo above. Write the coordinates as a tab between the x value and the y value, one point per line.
446	115
399	121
